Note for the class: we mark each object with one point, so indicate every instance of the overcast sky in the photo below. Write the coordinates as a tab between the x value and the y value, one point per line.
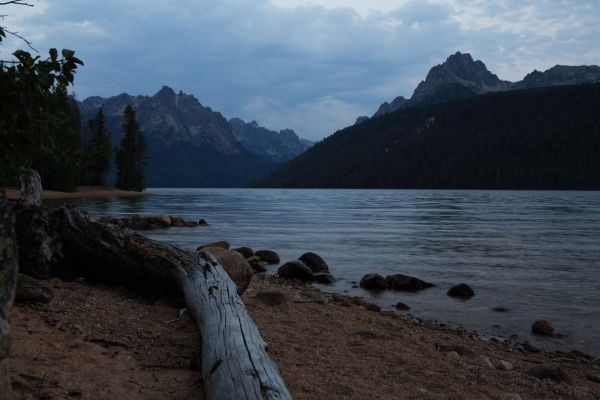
312	66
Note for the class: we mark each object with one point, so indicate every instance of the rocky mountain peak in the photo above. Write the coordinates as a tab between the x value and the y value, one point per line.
459	70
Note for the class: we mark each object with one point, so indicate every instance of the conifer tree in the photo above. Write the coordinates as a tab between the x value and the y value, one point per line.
98	151
131	157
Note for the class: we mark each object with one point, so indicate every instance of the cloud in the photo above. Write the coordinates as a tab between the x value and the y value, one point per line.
295	63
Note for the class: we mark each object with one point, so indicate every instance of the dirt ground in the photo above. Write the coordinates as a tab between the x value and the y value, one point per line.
95	342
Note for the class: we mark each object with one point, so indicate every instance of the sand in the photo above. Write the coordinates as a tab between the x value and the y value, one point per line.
80	192
97	342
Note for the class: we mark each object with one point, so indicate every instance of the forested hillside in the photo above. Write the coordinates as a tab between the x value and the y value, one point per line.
547	138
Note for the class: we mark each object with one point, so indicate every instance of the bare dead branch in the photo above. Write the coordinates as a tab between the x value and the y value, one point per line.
16	2
16	34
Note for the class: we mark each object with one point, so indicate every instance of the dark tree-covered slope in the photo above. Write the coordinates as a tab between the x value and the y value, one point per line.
547	138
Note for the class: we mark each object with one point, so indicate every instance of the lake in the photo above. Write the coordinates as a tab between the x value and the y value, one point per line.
536	253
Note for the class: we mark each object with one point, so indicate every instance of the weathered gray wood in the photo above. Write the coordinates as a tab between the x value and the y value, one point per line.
235	364
8	281
31	188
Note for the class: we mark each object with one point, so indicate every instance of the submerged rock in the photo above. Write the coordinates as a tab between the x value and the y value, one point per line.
295	270
406	283
402	307
268	256
462	290
314	262
372	282
542	327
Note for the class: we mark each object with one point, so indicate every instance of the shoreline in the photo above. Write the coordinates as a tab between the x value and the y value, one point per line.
79	193
326	345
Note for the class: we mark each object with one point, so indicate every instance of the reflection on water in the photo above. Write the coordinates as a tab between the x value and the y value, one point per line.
535	253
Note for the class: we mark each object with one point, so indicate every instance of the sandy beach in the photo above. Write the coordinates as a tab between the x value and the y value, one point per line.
98	342
80	192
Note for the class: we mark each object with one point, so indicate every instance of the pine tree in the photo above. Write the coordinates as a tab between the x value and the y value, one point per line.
98	151
131	157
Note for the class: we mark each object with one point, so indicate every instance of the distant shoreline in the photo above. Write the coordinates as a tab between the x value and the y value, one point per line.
80	192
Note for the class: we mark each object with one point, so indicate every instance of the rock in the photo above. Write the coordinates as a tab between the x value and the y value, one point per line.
372	282
462	290
542	327
31	188
510	396
486	361
247	252
259	266
549	371
453	355
221	244
31	290
268	256
402	307
295	270
372	307
530	348
324	278
314	262
593	377
180	222
202	222
406	283
354	286
458	348
271	297
503	365
235	265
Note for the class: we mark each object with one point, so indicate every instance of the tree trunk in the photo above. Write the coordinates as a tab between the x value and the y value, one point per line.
235	364
234	360
8	281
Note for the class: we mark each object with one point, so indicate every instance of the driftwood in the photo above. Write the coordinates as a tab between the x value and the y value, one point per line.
65	241
8	281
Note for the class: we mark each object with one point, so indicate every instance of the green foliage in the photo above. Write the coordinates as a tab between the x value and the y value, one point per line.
545	138
97	151
36	120
131	157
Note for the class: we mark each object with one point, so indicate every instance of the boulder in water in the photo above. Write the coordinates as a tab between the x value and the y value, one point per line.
542	327
295	270
324	277
268	256
314	262
372	282
406	283
462	291
247	252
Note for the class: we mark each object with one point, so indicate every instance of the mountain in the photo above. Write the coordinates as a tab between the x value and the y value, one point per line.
189	145
561	75
542	138
270	145
386	107
460	77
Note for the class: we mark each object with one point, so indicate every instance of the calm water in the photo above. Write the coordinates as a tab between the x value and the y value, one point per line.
535	253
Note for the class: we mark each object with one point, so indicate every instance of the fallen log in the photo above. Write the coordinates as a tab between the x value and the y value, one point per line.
8	281
235	364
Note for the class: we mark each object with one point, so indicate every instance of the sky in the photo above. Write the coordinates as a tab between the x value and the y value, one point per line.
312	66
